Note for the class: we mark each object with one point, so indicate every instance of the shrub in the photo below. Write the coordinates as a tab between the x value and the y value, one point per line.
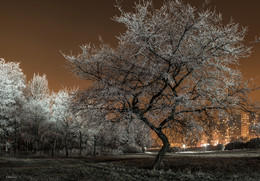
174	149
235	145
210	148
219	147
253	143
132	148
108	151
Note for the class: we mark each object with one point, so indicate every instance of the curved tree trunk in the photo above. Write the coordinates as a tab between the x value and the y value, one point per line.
158	161
159	157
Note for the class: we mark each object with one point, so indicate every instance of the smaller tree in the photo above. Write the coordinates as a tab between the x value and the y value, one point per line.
63	116
106	130
193	135
89	124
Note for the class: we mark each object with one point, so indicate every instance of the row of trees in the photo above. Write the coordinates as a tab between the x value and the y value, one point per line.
32	118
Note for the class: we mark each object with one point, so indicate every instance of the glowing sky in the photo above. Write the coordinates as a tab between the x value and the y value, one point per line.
34	32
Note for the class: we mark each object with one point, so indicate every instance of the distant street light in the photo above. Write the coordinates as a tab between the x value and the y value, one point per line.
184	146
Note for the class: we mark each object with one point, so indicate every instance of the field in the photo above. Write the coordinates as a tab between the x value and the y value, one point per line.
220	165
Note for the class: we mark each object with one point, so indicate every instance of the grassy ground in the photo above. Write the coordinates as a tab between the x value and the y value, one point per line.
227	165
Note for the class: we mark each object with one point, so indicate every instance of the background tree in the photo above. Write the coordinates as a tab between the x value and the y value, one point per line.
256	129
96	123
172	65
37	108
12	83
89	124
62	115
193	134
51	137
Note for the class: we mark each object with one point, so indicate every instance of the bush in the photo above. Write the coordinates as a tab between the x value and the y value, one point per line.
219	147
174	149
132	148
235	145
253	143
210	148
108	151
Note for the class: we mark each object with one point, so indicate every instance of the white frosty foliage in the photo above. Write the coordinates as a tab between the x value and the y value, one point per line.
38	98
61	106
38	87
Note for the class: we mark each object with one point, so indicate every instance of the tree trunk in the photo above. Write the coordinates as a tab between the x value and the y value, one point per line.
34	146
159	157
52	151
5	142
53	147
95	144
80	144
1	143
36	137
158	161
15	139
66	147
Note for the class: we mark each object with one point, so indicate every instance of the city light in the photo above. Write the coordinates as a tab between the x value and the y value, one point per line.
235	127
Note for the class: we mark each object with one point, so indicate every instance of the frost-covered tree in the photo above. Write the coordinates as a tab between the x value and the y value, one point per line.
172	65
12	83
38	88
135	132
125	135
93	124
89	122
37	110
63	116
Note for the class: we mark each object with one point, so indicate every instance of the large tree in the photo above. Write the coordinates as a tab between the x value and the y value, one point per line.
174	66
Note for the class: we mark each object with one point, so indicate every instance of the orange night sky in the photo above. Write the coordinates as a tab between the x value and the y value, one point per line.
34	32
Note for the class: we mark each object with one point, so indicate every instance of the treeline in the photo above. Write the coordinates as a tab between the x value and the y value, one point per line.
251	144
34	120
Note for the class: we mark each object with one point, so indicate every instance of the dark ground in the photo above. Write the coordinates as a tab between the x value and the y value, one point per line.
222	165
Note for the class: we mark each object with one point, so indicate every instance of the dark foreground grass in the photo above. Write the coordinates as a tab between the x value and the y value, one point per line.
237	166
